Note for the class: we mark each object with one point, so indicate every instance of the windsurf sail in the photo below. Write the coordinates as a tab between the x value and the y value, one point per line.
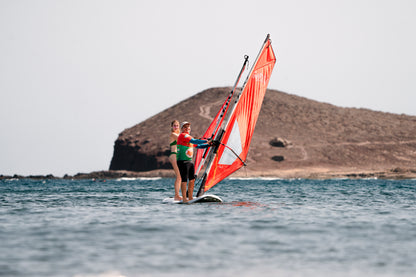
236	131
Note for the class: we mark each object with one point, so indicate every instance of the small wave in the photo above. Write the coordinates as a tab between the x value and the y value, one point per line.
256	178
138	178
104	274
12	180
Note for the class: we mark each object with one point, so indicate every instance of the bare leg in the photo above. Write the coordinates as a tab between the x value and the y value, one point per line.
177	187
191	189
183	189
172	159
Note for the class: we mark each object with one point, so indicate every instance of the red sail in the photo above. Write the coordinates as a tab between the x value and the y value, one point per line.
240	127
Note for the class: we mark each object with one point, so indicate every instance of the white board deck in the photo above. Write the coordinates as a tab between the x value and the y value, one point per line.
202	199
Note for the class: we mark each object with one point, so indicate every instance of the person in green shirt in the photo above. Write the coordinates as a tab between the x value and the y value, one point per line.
184	156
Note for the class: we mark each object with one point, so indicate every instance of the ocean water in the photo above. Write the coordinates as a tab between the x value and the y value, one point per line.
265	227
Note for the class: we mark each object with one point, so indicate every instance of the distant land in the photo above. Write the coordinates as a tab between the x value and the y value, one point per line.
295	137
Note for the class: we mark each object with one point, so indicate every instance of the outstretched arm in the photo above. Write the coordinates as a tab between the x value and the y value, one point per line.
204	145
207	143
198	141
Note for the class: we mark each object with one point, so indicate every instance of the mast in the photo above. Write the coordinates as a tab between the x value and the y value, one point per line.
222	131
245	82
231	93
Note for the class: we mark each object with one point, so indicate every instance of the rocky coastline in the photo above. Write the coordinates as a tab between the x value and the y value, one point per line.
310	173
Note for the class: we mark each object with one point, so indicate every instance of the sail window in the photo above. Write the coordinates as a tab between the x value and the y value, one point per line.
234	142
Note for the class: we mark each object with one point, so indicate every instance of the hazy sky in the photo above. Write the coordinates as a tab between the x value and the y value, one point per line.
74	74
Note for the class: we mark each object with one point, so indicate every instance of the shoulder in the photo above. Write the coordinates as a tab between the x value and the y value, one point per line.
174	136
184	137
187	137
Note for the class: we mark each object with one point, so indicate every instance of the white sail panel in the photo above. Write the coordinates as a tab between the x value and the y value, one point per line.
234	142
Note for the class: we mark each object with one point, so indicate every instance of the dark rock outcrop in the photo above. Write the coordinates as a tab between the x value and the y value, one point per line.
279	142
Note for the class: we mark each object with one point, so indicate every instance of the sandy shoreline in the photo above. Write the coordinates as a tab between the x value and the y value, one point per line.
299	173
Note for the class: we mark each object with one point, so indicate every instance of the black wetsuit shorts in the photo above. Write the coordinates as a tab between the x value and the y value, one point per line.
187	170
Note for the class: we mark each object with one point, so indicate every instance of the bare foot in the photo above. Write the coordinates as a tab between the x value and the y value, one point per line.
177	198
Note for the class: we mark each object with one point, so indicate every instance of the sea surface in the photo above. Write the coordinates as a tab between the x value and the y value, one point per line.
264	227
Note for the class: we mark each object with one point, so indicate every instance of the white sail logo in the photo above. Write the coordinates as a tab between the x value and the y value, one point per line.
260	77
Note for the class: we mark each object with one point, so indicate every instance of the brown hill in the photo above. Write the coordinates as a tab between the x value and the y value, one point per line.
294	137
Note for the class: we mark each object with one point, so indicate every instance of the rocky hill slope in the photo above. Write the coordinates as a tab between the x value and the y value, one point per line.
294	137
